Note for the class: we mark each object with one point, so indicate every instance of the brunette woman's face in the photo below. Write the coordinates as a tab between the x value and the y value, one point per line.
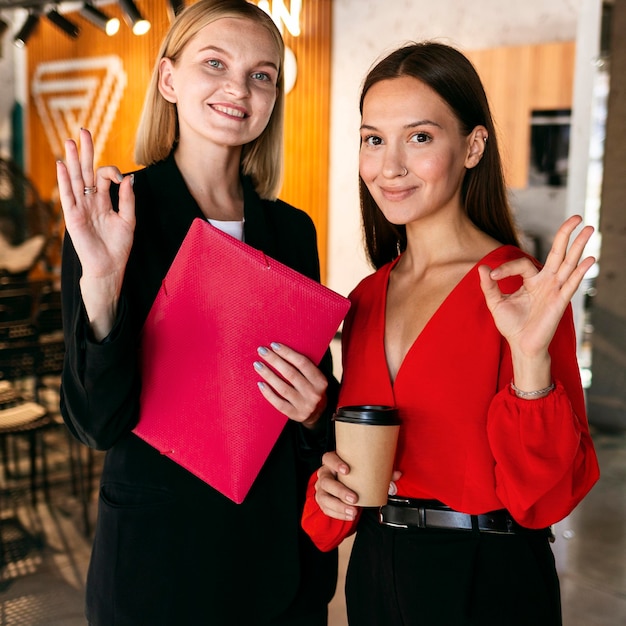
224	84
413	156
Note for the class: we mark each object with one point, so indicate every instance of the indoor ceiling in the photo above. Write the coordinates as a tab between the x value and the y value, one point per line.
26	4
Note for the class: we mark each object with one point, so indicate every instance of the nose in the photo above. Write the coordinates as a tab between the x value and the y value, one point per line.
393	164
237	85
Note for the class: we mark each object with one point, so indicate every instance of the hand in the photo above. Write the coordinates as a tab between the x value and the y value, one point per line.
334	498
529	317
101	236
293	384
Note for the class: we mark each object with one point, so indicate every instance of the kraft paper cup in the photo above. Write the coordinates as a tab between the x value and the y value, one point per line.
366	439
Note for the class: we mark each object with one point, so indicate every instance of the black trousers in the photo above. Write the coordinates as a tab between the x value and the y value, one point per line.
425	577
316	618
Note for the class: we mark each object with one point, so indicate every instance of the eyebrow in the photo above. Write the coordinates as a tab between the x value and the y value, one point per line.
406	126
229	54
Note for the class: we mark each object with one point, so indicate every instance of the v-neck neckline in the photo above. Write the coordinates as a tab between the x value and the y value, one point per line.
429	323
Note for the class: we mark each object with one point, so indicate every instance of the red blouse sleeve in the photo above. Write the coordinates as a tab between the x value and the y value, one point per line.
325	532
545	459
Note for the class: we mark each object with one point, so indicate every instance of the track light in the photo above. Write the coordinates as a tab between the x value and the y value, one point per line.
63	24
27	30
174	7
110	25
133	18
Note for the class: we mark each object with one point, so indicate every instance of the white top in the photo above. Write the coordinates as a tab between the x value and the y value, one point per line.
234	229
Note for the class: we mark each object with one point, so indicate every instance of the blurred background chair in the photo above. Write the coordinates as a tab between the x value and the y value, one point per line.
49	365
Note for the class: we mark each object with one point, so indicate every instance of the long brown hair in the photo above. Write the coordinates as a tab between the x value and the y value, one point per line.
483	193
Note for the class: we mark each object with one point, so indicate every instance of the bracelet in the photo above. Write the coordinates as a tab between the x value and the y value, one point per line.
532	395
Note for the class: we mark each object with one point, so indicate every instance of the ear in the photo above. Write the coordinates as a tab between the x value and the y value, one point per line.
166	80
476	146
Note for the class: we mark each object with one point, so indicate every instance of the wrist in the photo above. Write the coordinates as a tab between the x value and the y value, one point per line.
535	394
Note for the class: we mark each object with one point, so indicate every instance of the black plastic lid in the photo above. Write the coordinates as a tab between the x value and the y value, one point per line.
375	415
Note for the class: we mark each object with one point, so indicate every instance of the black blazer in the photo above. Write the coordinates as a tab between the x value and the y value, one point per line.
169	549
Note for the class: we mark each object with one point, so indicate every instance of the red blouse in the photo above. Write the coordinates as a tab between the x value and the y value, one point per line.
466	439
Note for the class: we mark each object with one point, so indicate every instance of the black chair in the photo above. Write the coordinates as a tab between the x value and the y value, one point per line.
48	321
21	416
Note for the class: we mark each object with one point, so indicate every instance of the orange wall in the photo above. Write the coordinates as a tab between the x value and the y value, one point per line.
307	112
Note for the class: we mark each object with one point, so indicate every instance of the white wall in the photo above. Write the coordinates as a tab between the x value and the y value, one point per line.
363	30
7	80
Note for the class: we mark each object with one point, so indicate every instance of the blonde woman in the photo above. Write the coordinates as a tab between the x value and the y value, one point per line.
169	549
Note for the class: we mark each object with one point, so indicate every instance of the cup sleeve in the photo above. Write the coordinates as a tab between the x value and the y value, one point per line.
325	532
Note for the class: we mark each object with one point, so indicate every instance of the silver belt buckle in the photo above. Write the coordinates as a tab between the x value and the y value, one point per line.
384	522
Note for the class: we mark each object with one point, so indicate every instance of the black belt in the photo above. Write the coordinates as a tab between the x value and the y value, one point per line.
409	513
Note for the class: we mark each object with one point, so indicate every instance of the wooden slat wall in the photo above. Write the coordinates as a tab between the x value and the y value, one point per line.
518	80
307	128
307	114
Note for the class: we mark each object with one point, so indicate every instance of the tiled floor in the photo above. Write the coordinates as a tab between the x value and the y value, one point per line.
42	581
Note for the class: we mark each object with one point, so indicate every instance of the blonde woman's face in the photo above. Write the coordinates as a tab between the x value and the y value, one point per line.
224	83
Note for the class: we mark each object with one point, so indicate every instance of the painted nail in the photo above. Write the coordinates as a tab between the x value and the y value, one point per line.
275	346
261	386
258	366
262	351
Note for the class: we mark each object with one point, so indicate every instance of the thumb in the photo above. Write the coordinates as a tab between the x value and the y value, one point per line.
126	204
489	286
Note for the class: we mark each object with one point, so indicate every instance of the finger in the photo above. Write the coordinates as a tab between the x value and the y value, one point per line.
489	286
331	461
328	484
575	278
86	158
574	253
72	164
521	266
293	366
126	205
103	178
560	243
66	194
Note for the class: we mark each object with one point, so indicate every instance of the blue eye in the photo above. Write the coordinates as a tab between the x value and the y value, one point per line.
260	76
215	63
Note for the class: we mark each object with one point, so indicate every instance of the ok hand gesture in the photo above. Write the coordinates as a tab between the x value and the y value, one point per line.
529	317
101	236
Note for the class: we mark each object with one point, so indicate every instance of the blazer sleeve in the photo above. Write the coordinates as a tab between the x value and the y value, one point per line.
545	459
100	380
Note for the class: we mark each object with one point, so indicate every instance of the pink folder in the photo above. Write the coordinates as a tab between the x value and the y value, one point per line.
220	301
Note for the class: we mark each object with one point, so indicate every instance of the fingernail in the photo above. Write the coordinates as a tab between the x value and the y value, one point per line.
120	178
258	366
349	514
262	351
261	386
343	469
275	346
351	499
132	180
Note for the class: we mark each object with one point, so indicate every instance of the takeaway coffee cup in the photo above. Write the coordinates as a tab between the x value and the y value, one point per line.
366	440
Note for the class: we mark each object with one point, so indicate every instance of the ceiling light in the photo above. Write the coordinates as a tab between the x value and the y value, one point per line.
174	7
63	24
110	25
27	30
133	18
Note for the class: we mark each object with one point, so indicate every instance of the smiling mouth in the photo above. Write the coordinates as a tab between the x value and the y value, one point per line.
229	111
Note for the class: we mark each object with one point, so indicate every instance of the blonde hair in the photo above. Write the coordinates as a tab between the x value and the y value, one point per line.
261	159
